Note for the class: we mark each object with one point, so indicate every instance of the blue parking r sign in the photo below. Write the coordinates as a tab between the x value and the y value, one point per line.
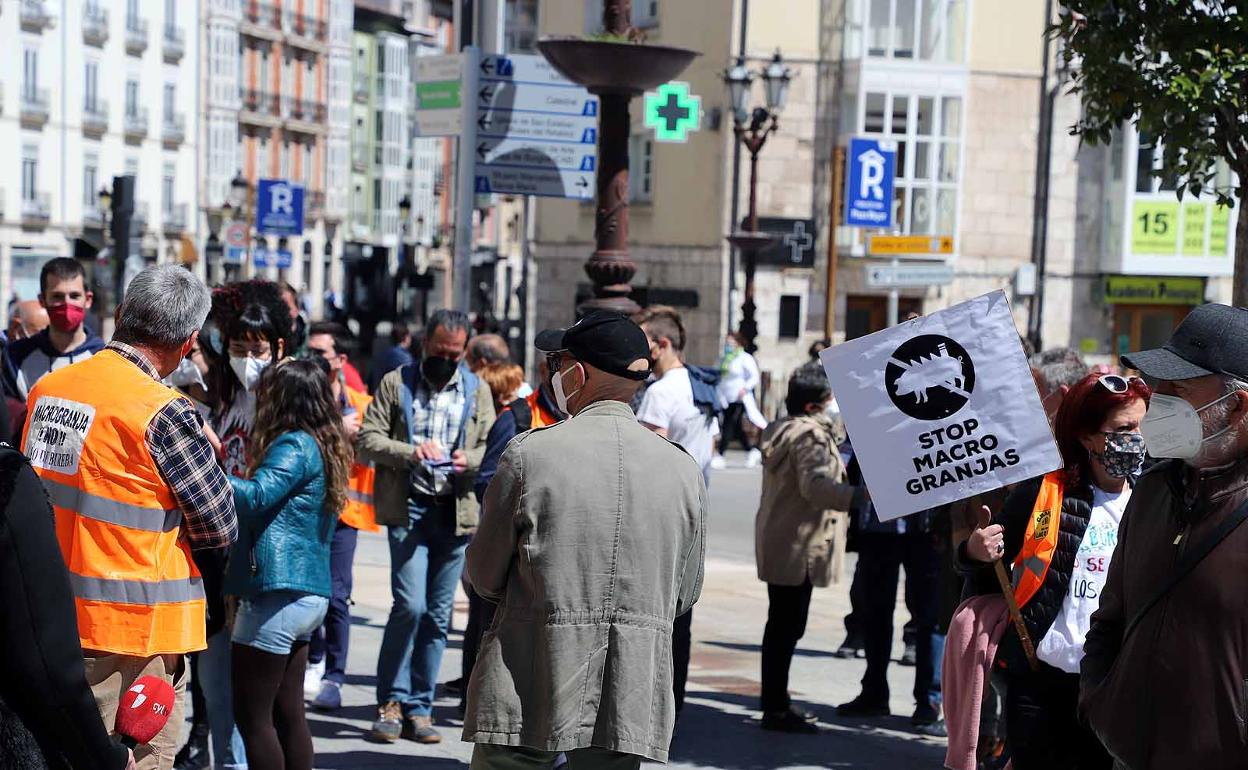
279	207
869	194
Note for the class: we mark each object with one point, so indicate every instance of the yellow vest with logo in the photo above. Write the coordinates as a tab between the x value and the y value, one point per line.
1040	539
136	589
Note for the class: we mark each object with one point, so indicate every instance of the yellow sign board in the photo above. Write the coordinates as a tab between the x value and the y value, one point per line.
1148	290
1155	227
1218	230
1167	228
1194	216
886	245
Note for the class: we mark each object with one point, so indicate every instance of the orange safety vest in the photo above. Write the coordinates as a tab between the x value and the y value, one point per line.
1040	539
541	417
136	589
359	512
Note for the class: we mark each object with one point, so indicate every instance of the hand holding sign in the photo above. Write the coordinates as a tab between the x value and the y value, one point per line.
987	542
942	407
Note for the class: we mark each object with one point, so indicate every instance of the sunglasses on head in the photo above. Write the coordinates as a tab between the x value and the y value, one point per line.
553	361
1116	383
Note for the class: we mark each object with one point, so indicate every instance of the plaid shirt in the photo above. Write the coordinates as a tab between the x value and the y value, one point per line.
436	417
185	459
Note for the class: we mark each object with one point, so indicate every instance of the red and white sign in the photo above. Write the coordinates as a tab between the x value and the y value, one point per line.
236	235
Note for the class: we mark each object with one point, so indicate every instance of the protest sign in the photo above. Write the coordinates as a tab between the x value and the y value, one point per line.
942	407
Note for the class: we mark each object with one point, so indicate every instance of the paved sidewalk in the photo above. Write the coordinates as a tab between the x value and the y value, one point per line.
719	727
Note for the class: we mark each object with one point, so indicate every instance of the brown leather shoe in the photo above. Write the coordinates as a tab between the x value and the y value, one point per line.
389	723
420	729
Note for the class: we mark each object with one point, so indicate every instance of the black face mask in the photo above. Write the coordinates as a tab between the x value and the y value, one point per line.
438	369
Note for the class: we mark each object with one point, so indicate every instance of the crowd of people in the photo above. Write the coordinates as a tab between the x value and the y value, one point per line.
189	495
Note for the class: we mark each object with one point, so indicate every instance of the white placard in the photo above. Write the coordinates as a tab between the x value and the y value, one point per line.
942	407
55	433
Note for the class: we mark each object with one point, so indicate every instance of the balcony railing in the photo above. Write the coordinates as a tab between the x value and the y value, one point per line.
95	117
173	129
95	25
174	218
261	20
360	88
136	35
34	17
260	106
316	202
34	107
136	123
173	44
303	109
37	209
303	29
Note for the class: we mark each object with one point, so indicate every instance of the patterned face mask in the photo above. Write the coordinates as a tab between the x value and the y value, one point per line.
1124	454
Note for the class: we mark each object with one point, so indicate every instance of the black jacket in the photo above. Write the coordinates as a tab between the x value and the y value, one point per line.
42	679
1042	610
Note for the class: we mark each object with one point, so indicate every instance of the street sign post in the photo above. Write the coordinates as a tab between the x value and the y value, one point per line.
439	95
279	207
869	191
673	112
909	276
911	245
537	132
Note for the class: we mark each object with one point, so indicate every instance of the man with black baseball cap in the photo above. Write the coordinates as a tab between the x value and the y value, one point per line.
1165	669
591	540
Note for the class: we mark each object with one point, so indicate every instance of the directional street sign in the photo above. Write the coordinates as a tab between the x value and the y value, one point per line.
897	245
439	89
279	207
537	132
272	258
869	190
234	255
907	276
673	112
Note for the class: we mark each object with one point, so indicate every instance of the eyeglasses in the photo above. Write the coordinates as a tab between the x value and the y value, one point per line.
1116	383
553	361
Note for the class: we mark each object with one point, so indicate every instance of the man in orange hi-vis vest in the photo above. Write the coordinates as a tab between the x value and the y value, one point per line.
327	654
135	486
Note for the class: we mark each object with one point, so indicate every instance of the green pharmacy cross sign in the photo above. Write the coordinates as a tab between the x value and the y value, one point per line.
673	112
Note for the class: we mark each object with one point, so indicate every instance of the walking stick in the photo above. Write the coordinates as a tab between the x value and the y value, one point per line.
1016	616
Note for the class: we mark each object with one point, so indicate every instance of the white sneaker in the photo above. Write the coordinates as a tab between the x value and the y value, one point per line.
312	679
753	459
717	463
329	698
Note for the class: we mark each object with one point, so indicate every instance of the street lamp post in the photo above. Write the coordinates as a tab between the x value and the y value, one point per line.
240	191
752	128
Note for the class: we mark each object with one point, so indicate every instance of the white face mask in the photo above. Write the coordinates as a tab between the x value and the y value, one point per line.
1172	427
561	398
248	370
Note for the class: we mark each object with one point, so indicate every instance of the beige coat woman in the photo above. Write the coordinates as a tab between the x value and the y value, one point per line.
802	521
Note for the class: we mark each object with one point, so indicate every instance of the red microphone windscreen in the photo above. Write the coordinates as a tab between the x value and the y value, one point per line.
144	709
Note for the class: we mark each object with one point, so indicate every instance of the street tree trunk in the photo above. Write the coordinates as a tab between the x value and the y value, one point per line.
1239	294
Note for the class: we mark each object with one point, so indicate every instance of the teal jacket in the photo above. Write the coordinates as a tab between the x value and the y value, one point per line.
283	528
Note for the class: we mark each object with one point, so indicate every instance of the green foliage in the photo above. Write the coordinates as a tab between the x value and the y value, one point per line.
1177	68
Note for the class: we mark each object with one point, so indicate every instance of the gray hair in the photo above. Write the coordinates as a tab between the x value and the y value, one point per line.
451	320
163	307
1060	366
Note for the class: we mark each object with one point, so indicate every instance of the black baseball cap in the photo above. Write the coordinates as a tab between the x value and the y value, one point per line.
605	340
1213	339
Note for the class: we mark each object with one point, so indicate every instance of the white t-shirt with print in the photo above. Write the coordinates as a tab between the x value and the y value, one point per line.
1062	646
668	404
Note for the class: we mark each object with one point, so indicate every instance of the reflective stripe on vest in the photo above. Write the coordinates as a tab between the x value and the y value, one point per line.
136	589
1040	538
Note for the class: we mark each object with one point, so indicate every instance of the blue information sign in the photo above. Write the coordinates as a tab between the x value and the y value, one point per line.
272	258
869	194
279	207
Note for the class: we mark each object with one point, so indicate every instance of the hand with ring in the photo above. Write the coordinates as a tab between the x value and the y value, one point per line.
987	542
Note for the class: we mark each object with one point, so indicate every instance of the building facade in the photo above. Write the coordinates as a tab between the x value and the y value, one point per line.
90	90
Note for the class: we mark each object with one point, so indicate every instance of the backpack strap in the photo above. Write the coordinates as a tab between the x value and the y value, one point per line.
1191	557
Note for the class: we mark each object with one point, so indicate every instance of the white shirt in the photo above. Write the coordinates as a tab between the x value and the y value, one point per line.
668	405
1062	646
742	374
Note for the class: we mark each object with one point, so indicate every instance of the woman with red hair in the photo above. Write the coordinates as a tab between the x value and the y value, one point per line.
1059	534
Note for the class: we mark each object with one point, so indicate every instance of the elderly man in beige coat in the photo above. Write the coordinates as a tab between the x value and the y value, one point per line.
591	540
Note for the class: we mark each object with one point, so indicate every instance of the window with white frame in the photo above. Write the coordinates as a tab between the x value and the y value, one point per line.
928	30
132	98
170	102
166	190
90	179
640	169
927	129
284	160
30	170
91	86
30	73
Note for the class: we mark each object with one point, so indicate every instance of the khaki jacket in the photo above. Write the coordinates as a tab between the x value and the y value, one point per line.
384	439
803	518
592	542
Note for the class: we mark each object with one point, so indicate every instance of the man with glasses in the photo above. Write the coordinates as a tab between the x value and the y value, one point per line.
591	540
1164	675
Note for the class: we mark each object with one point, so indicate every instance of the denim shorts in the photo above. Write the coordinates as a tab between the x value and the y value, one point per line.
273	621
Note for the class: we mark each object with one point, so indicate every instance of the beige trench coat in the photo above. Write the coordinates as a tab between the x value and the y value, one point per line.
803	519
591	539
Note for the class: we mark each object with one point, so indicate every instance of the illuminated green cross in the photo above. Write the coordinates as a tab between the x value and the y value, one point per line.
673	112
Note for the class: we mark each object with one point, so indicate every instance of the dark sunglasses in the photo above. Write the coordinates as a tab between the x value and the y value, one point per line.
1116	383
553	362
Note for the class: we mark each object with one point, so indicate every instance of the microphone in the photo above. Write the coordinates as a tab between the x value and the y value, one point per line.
144	711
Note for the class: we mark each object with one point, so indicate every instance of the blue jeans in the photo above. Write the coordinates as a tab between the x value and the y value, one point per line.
426	559
331	641
214	676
